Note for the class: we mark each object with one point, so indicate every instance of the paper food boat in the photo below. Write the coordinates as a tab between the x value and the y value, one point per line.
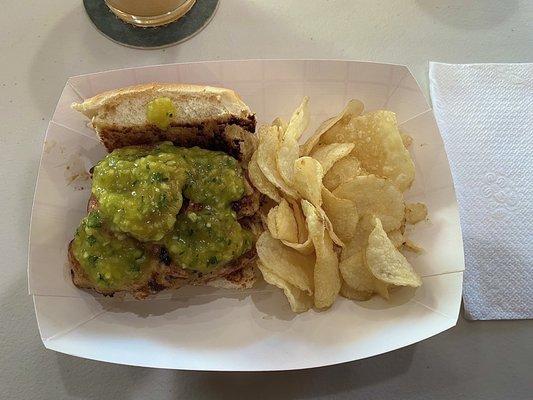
203	328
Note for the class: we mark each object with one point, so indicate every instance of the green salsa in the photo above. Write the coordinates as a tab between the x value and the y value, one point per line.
140	192
160	112
111	261
202	240
214	178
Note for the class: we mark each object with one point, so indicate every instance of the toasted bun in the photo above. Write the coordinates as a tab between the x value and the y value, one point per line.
202	114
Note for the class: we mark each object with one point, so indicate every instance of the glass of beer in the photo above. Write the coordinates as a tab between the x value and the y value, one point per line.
149	12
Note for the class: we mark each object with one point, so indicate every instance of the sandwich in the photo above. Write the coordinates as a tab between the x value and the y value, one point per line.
171	204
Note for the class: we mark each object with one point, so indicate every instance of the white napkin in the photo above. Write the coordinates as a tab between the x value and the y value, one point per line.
485	115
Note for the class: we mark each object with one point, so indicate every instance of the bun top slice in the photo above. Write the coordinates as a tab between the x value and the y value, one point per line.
201	116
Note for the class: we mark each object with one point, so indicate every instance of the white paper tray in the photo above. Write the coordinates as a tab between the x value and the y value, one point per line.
254	330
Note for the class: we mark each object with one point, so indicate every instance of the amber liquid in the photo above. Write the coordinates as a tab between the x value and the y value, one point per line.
149	12
146	8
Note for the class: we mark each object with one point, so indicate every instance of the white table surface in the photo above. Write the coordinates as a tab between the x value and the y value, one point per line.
44	42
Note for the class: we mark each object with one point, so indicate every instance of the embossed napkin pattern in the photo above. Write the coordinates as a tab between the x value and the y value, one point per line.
485	115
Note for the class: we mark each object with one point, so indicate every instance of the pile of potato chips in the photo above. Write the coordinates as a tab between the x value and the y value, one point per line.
335	215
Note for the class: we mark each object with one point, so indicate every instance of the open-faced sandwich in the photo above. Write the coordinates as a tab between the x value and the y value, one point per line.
171	203
177	200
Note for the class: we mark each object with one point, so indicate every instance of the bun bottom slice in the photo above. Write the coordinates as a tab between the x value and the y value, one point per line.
186	115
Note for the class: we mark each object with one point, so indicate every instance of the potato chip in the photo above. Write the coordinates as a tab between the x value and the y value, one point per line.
413	247
331	153
288	264
385	261
352	247
406	139
259	180
266	158
298	122
271	223
308	146
298	299
378	145
356	274
282	125
342	213
375	196
352	294
304	244
382	289
396	237
308	179
329	228
344	187
300	221
360	238
415	212
281	222
352	110
354	266
326	274
289	149
305	248
288	153
342	171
